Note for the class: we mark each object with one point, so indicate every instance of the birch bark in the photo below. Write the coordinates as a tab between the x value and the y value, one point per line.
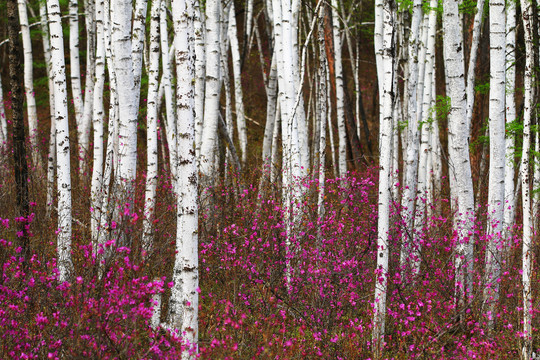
83	128
97	119
271	99
139	30
238	96
509	172
75	66
51	155
170	121
458	149
340	101
426	96
213	87
121	13
200	73
412	143
152	132
321	116
63	169
386	53
527	254
29	83
184	303
497	113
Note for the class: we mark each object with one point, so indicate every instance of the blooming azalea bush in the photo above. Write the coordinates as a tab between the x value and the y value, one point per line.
96	316
269	288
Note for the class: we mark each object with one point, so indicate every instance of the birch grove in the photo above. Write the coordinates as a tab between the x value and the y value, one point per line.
269	179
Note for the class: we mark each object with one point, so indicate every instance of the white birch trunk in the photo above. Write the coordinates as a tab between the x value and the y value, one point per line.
121	13
271	99
527	253
386	52
497	113
170	121
63	169
249	22
287	89
340	95
139	34
107	209
51	155
410	176
238	96
83	128
200	74
184	302
29	83
458	148
433	169
213	87
423	168
97	119
151	127
509	172
321	116
75	66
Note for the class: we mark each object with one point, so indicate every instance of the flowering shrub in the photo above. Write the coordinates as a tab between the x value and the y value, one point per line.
91	317
269	289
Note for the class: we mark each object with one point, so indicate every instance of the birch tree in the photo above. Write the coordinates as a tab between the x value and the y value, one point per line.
271	103
51	154
121	13
238	96
63	169
411	154
138	36
97	119
423	165
321	116
151	128
213	87
200	73
386	53
166	82
509	173
458	147
184	302
340	96
29	82
75	66
497	113
527	253
85	122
